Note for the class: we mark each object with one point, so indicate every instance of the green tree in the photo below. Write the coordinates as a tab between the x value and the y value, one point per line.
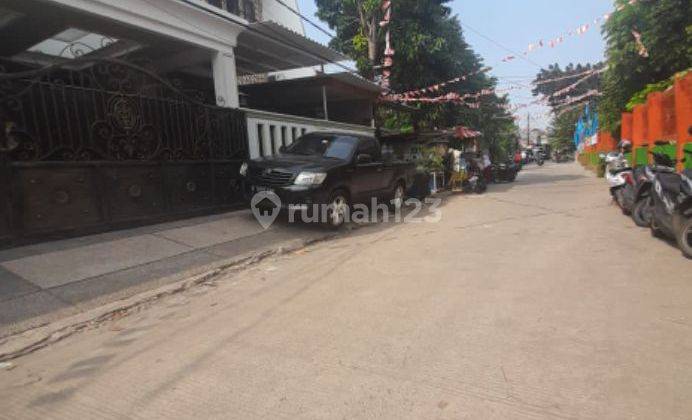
430	48
562	125
356	23
666	33
561	130
564	80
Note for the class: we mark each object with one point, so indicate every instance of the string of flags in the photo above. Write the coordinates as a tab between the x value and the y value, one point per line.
579	31
557	79
578	99
414	95
641	48
436	87
577	83
543	100
454	97
450	97
461	99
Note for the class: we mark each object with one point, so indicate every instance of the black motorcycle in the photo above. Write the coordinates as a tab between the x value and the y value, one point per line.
539	159
671	199
638	193
505	172
475	179
562	157
685	231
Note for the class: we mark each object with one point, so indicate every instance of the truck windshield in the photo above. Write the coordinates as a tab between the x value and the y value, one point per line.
329	146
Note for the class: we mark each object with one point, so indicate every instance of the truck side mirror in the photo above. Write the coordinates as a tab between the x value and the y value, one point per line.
363	158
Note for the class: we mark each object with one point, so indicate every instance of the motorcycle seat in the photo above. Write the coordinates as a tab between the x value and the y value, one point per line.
670	182
618	170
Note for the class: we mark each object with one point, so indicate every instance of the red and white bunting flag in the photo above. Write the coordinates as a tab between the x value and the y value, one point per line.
641	48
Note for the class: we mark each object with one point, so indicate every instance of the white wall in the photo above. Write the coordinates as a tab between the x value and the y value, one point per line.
263	127
275	11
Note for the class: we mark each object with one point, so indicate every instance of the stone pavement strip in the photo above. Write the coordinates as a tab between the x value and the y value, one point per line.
44	282
537	300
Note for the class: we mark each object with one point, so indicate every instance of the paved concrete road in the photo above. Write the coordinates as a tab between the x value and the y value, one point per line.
536	300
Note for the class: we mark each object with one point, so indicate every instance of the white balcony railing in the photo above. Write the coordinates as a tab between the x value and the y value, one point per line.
268	131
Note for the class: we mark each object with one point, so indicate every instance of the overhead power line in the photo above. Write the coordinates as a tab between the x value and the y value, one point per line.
306	19
499	45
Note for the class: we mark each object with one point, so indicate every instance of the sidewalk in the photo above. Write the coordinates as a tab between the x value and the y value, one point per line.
44	282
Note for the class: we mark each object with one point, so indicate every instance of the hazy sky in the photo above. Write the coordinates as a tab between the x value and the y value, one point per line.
514	24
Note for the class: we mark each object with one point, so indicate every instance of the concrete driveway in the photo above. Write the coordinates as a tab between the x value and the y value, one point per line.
536	300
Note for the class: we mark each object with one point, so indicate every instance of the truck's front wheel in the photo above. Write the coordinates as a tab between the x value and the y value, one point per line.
398	196
337	209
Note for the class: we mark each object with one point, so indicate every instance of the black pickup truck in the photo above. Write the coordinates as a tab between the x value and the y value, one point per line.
335	169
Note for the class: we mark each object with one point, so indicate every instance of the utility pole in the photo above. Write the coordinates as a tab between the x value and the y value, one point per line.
528	130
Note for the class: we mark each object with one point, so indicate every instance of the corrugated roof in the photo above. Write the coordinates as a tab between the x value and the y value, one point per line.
269	46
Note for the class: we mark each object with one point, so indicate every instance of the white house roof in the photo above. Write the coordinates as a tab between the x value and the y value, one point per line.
268	46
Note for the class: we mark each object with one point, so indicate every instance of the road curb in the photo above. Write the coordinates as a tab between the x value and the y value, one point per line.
30	340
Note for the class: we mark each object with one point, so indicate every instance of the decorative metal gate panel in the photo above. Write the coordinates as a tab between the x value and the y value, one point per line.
100	144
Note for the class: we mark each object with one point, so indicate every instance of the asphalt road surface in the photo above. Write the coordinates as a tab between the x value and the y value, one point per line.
535	300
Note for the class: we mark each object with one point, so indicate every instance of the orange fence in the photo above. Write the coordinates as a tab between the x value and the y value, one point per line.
666	116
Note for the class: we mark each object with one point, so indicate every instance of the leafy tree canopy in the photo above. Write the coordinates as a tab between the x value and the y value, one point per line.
564	80
430	48
562	125
666	33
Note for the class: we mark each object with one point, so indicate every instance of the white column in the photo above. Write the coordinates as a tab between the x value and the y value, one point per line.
266	139
253	138
225	79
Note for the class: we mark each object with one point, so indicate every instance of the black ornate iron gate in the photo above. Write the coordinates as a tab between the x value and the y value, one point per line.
100	144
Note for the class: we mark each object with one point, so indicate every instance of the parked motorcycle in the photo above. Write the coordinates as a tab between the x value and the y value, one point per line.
539	159
618	173
562	156
685	232
671	200
474	181
643	178
505	172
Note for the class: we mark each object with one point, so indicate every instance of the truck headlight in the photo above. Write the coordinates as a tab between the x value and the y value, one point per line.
310	178
243	169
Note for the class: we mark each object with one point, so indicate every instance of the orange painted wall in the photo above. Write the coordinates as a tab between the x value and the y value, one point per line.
606	142
683	113
654	118
665	116
668	115
626	127
639	126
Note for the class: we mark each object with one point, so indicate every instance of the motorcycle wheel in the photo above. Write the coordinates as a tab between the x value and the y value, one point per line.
656	231
620	200
466	187
639	214
685	239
